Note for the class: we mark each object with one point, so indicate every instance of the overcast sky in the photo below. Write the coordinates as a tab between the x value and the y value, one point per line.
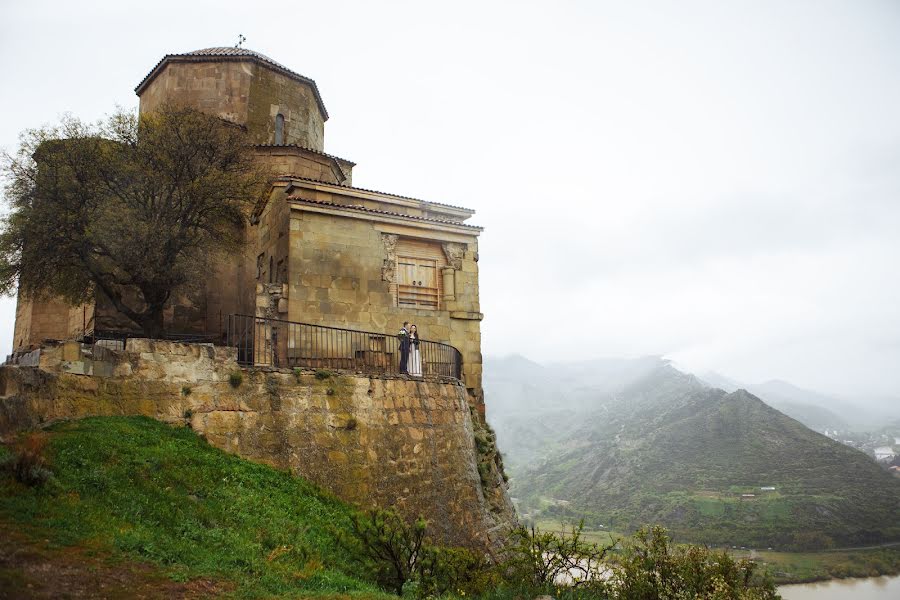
715	182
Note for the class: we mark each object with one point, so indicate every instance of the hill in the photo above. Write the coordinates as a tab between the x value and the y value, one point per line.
170	506
668	449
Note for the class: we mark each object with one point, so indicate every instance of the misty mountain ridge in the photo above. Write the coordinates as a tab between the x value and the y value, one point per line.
814	409
634	442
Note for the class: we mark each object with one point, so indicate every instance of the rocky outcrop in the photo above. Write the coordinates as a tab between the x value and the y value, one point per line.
370	440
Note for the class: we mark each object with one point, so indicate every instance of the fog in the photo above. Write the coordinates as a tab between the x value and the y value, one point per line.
717	183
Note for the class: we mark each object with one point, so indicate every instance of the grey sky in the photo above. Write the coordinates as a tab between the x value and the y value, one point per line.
716	182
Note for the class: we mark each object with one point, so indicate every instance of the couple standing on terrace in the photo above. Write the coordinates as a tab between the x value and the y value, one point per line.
410	359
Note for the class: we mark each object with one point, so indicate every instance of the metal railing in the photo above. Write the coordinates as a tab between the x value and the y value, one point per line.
263	342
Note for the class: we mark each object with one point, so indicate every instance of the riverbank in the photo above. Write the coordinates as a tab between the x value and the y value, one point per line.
873	588
790	567
807	567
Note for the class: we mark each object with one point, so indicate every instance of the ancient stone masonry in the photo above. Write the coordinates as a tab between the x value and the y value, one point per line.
369	440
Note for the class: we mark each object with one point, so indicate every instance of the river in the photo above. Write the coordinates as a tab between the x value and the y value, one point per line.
871	588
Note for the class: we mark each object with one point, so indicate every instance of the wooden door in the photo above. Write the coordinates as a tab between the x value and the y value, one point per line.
417	282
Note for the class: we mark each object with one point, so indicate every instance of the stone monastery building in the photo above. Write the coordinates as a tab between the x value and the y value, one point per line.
320	251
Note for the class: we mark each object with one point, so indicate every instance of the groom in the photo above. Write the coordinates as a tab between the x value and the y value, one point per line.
404	349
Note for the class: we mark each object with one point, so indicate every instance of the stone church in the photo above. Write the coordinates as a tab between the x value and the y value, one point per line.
320	251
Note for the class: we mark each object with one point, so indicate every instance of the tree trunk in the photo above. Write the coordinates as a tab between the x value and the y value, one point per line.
152	321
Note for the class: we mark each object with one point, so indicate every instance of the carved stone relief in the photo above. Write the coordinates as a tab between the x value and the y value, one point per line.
455	252
389	269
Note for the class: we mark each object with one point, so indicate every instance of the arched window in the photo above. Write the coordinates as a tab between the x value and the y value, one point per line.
279	129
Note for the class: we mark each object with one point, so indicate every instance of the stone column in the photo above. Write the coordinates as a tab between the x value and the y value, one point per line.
449	277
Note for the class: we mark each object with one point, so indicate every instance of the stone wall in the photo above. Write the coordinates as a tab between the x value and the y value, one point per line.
340	275
242	92
219	88
48	319
370	440
300	162
272	93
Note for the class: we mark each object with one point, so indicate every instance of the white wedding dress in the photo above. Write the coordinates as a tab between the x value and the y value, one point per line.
414	363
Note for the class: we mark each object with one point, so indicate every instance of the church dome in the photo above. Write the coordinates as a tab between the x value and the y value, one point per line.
229	54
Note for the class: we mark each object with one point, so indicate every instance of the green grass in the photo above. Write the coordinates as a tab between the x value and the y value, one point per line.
798	567
144	490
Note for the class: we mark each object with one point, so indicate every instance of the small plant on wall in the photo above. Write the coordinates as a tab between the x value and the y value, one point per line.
236	379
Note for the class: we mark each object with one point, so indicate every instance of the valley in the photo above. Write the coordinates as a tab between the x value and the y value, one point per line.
623	443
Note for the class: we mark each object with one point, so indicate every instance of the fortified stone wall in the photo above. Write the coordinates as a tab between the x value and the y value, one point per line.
370	440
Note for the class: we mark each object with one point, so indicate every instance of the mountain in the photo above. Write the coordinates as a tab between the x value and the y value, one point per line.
806	406
662	446
815	410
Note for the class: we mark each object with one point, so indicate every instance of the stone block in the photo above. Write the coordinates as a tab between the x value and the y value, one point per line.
71	351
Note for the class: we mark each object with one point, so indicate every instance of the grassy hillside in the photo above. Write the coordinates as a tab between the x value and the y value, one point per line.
138	490
670	450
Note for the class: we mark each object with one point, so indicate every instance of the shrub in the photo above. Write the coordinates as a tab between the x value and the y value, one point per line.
27	464
453	572
323	374
397	555
651	566
386	545
351	424
188	413
541	558
185	390
236	379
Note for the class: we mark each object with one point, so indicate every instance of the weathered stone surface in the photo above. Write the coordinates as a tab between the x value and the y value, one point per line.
385	441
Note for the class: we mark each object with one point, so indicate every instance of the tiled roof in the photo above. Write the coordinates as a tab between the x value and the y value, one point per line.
313	150
349	187
384	212
225	53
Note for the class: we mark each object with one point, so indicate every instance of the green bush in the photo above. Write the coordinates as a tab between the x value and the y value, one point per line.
322	374
651	566
236	379
540	558
386	546
397	555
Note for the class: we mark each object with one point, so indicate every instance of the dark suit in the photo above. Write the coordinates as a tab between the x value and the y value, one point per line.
404	350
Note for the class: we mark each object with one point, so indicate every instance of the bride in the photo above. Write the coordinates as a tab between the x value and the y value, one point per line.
415	358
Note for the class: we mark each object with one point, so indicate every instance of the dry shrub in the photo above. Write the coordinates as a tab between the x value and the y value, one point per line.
27	462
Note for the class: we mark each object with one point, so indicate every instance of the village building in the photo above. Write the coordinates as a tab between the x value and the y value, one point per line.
320	251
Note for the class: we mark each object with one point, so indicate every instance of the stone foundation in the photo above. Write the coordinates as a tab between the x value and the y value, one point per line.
369	440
